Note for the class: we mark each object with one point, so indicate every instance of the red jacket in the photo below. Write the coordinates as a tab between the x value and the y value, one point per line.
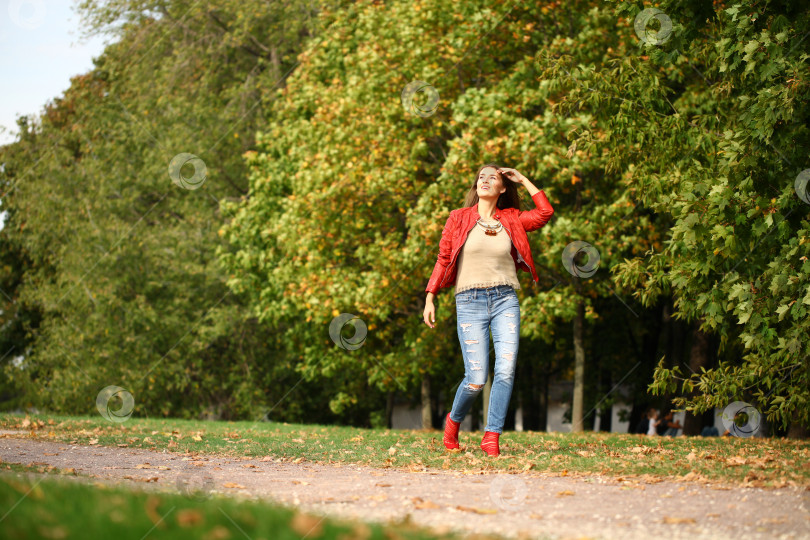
461	221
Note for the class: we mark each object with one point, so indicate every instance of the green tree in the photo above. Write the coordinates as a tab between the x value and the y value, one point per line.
122	258
736	256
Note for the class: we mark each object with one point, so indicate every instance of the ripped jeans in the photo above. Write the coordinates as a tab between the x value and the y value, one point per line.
478	310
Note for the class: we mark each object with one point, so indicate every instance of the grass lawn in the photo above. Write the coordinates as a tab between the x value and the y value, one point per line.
729	460
51	508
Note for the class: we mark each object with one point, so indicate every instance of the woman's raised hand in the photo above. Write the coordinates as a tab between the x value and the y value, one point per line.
512	174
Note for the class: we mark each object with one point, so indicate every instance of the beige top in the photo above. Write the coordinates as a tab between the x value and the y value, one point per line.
485	261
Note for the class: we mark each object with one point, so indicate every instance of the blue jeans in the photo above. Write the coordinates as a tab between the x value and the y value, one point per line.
478	310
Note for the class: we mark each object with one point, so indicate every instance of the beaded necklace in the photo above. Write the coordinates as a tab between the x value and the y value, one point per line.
490	230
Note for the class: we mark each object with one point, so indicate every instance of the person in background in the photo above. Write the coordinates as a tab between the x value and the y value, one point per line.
653	421
710	431
643	424
668	426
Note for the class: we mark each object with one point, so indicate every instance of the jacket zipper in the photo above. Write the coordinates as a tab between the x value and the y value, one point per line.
454	254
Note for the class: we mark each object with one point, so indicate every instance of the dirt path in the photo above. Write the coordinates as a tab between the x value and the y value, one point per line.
529	505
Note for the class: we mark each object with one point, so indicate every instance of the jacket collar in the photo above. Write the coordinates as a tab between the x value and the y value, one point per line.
473	211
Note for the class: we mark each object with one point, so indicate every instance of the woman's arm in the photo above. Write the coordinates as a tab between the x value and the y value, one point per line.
540	215
531	187
443	259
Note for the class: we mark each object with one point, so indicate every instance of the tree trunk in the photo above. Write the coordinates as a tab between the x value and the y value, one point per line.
796	430
389	410
427	422
698	357
530	399
579	369
275	61
544	405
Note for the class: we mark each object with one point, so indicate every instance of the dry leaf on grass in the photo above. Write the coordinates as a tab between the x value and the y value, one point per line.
151	507
188	518
306	525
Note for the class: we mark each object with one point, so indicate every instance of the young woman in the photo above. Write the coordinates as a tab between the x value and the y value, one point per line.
488	239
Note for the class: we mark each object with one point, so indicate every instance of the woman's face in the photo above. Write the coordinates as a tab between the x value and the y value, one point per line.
489	185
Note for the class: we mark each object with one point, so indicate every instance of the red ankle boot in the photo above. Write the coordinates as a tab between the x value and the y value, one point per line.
489	443
451	433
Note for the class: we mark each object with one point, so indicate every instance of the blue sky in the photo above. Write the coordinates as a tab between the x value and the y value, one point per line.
40	50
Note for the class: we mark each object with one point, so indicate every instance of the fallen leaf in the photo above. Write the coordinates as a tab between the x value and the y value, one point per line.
477	510
565	493
137	479
188	517
306	525
677	520
419	502
154	516
233	485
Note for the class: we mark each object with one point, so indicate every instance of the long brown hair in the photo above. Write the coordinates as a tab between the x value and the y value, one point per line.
507	199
